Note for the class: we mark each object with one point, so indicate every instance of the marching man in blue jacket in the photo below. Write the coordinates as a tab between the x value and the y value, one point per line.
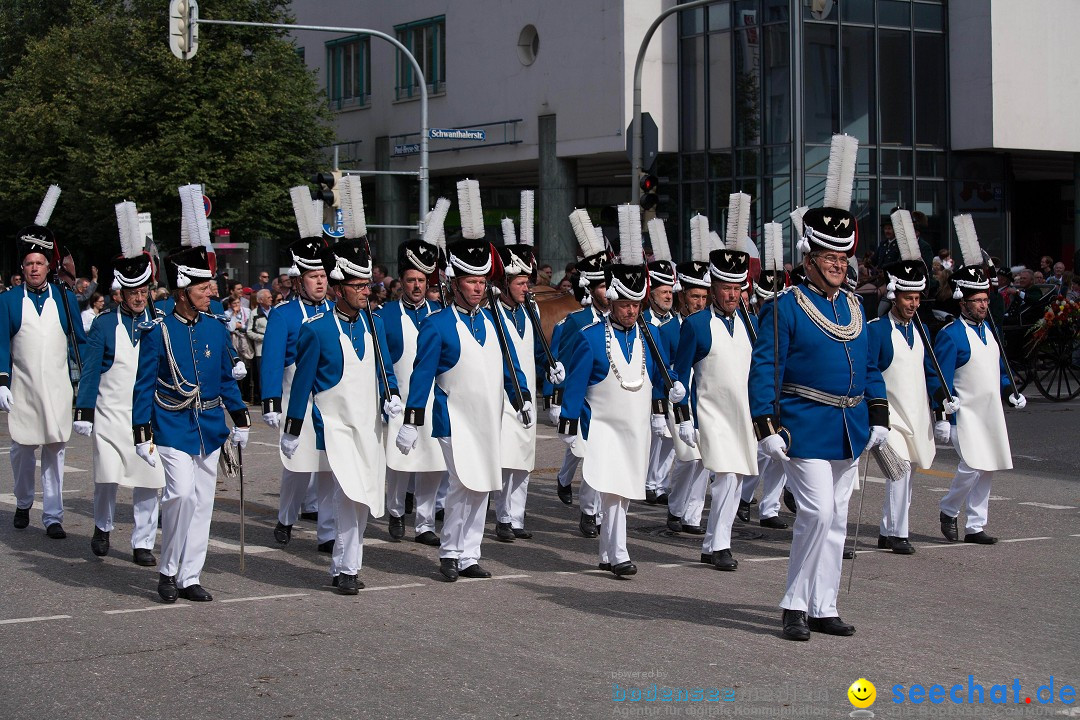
341	364
103	407
184	379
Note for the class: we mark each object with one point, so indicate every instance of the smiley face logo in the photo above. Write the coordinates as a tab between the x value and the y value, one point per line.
862	693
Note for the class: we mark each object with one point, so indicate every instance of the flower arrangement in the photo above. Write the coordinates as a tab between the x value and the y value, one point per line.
1062	317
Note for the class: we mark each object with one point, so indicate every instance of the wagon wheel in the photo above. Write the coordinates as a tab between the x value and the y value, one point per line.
1022	371
1055	373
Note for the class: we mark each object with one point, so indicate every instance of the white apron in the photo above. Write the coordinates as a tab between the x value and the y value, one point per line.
115	461
980	421
306	458
427	455
617	455
727	440
474	401
911	435
40	385
353	427
518	442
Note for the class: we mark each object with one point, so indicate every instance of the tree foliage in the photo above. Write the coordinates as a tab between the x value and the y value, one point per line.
97	104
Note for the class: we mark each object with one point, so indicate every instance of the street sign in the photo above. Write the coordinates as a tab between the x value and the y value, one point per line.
650	141
406	149
206	206
457	134
337	230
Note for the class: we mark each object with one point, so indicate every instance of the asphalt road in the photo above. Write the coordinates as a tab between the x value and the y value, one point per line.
549	635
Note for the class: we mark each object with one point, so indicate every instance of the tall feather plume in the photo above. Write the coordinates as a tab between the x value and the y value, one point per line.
47	206
658	239
969	240
306	220
796	220
774	246
434	227
508	234
631	250
352	207
472	213
131	237
843	154
738	219
586	233
194	230
525	218
716	242
906	239
699	238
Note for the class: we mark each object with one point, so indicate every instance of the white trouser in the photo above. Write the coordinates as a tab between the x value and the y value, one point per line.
23	465
350	521
686	498
186	508
822	489
509	502
894	513
294	491
772	477
463	523
144	506
424	487
588	499
310	502
569	467
444	488
613	531
970	487
661	456
726	492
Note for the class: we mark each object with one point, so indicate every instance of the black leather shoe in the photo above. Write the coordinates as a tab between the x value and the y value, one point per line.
311	516
849	555
326	547
789	502
335	581
948	527
504	532
706	558
901	546
283	533
440	514
474	571
166	588
693	529
565	492
605	567
795	627
410	503
674	523
587	526
743	513
397	528
722	560
144	557
99	544
195	593
22	518
428	538
448	568
831	626
56	531
662	498
348	584
882	542
773	522
650	496
980	538
521	533
624	569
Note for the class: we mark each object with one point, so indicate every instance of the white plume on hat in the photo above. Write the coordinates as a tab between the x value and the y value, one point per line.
843	154
194	230
796	220
658	239
307	220
699	238
906	239
631	249
509	237
586	234
472	212
715	241
434	224
774	246
45	212
738	220
131	237
969	240
525	218
352	207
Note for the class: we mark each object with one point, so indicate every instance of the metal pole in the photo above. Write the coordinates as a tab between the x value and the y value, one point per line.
797	158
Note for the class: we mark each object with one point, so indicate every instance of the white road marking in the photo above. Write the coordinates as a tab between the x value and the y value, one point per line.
1048	506
264	597
783	557
393	587
939	489
14	621
1011	540
145	609
546	437
678	564
931	546
235	547
494	577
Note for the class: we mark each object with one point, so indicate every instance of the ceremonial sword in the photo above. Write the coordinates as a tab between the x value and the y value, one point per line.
500	332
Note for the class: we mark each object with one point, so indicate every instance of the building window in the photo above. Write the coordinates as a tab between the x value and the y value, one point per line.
348	72
426	40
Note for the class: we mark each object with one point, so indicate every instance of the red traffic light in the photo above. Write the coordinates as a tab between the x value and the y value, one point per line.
648	183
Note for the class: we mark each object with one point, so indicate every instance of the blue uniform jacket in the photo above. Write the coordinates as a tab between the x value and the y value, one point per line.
319	365
101	351
809	357
563	340
437	350
11	303
590	366
695	342
393	314
280	346
202	352
953	350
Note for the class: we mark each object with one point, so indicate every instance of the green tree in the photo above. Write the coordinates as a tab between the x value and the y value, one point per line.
100	106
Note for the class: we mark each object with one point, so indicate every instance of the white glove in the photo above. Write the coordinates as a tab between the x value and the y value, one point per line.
526	411
951	405
554	411
5	398
568	439
774	446
272	419
289	444
676	394
240	436
406	438
556	374
239	370
659	425
878	435
942	432
1018	401
393	407
145	450
82	427
688	433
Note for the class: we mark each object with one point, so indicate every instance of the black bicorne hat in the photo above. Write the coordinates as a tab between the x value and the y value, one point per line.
133	272
347	260
418	255
37	239
768	283
188	266
518	259
729	266
663	272
468	257
626	282
798	276
591	269
693	273
306	255
968	280
830	229
906	276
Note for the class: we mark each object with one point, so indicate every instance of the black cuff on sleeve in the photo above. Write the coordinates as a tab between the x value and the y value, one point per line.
556	397
414	416
659	406
5	380
271	405
939	416
940	395
293	426
766	425
568	426
682	413
240	417
142	433
878	409
545	402
84	415
1008	391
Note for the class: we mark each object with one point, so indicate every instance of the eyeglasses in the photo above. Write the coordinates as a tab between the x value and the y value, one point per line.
356	286
834	260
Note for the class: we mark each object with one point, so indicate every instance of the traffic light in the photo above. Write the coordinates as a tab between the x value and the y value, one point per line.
184	28
648	184
329	186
